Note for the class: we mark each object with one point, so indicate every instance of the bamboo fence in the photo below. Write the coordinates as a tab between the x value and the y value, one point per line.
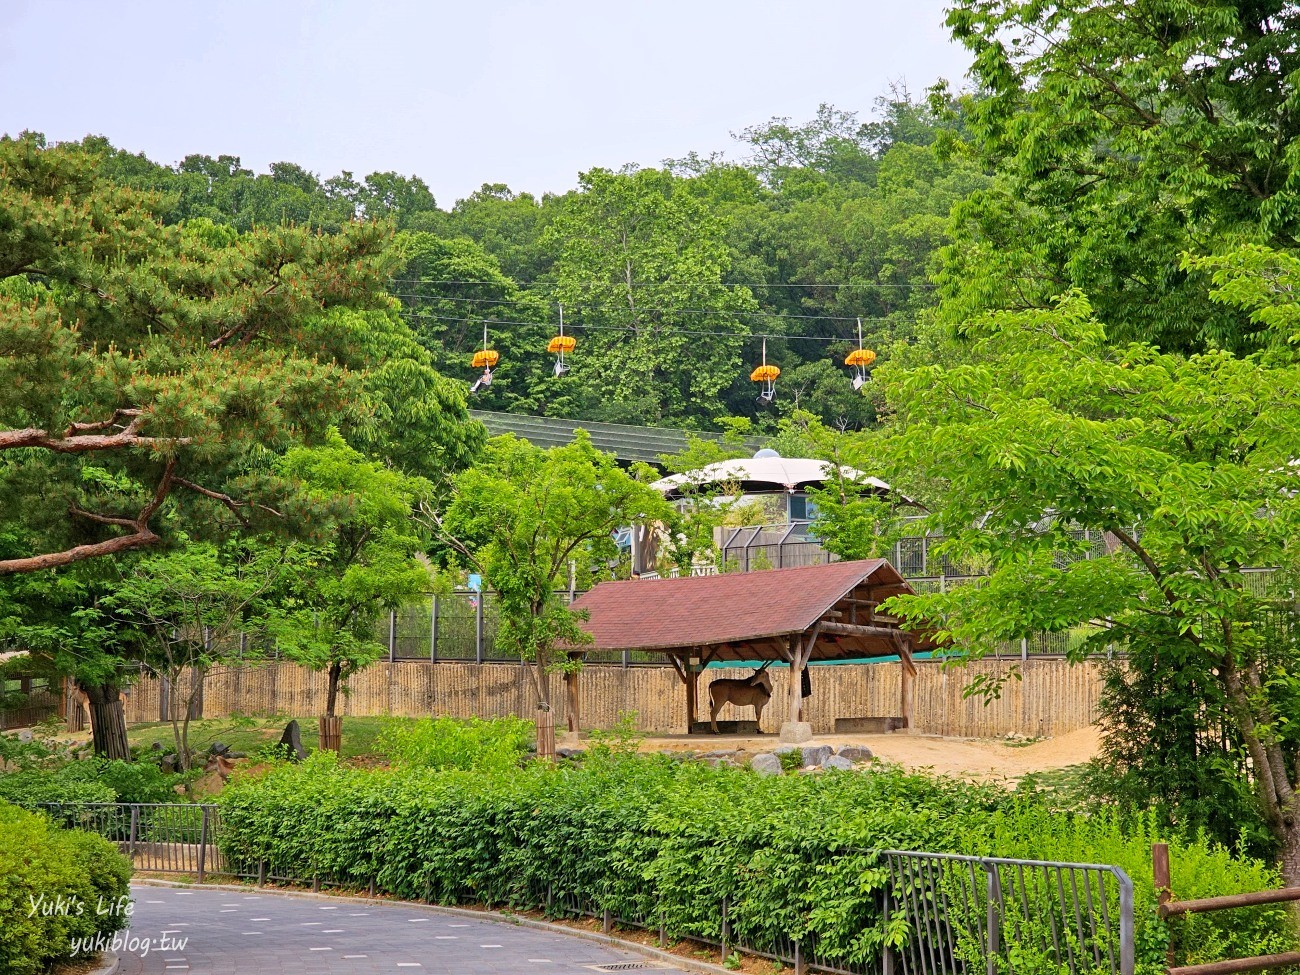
1052	697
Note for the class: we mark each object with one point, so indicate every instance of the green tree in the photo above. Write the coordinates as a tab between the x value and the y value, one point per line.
1186	464
522	515
642	266
187	608
369	560
143	366
1125	134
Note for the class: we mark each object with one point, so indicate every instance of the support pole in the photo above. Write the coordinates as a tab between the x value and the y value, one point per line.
571	714
692	695
433	629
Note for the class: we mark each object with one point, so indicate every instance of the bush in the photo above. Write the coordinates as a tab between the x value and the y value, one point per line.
37	860
451	743
92	780
796	856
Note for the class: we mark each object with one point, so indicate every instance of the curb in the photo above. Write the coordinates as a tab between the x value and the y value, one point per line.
657	954
109	964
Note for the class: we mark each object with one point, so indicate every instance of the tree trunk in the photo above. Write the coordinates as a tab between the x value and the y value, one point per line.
108	721
332	698
1289	860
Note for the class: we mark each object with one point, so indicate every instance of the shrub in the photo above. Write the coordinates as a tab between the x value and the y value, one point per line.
37	860
796	856
451	743
92	780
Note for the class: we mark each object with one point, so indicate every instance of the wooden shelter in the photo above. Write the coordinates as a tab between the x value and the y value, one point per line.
815	612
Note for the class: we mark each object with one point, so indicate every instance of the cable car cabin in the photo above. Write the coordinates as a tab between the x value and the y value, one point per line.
860	360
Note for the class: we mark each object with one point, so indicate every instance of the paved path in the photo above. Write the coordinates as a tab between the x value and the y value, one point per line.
196	932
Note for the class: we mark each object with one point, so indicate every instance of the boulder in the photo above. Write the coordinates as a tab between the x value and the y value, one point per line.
812	755
766	764
837	762
218	748
785	749
292	741
25	735
570	753
796	732
855	753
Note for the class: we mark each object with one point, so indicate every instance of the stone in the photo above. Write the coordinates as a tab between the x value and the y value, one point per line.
721	753
292	741
25	735
156	746
838	762
573	753
168	764
796	732
218	748
812	755
766	763
785	749
236	754
855	753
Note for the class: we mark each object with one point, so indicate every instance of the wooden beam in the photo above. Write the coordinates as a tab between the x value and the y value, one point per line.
858	629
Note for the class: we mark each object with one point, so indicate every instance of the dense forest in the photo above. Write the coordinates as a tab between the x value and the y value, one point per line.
813	227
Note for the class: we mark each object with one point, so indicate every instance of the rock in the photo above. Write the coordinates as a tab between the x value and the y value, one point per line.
855	753
838	762
292	741
156	747
812	755
236	755
218	748
766	764
725	754
25	735
796	732
785	749
573	753
168	764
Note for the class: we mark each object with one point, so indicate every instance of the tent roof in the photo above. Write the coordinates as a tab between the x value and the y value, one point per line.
757	474
744	615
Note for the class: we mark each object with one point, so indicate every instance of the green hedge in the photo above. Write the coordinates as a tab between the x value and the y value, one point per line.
82	875
794	855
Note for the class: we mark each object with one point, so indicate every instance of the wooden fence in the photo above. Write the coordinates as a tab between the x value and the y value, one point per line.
1053	698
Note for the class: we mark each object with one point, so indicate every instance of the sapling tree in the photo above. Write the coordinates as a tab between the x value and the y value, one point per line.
522	515
189	607
367	558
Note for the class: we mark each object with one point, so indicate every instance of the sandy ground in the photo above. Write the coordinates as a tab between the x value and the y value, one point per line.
977	758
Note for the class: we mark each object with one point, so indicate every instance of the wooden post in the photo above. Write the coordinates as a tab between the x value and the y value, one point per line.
571	715
796	679
692	695
1160	878
545	723
331	733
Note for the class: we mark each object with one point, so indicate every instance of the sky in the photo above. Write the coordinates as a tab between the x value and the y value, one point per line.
460	94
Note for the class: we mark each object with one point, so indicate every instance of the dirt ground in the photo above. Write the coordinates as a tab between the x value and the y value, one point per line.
975	758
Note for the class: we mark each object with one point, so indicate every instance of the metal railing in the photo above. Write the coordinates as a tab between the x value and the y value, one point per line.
967	913
962	915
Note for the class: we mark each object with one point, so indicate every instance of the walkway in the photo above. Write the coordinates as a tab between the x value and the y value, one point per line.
225	932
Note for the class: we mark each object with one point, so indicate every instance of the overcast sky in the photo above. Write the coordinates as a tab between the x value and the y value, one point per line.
524	93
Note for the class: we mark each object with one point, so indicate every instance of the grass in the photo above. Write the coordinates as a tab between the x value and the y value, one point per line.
244	734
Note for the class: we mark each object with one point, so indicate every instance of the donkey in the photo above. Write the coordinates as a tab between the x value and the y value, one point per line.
743	692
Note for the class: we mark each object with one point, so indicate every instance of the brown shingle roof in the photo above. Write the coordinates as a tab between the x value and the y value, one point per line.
739	607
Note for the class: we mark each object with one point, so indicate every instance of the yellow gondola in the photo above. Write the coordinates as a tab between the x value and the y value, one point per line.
766	375
860	360
484	359
560	346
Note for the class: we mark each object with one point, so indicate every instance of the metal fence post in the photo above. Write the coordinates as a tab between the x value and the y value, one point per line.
478	626
261	873
392	635
203	844
135	828
800	966
886	954
627	658
433	629
726	931
994	917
